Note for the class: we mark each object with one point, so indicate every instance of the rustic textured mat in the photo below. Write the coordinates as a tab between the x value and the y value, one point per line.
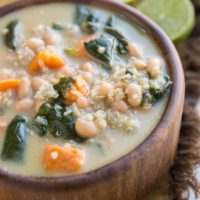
183	180
182	177
188	155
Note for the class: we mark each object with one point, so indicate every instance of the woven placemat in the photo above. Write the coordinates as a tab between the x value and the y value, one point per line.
181	180
188	156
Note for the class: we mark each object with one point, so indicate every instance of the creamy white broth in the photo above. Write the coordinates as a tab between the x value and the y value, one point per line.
115	143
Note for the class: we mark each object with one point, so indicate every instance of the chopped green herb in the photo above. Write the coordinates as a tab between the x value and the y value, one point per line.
15	140
71	51
128	71
57	27
110	21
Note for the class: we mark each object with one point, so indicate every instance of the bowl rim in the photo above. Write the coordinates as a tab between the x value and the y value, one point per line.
64	183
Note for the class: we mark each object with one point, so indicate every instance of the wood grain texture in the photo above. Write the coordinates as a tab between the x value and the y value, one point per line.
132	176
5	2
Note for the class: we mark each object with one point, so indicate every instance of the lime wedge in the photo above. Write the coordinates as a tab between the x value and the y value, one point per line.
128	1
176	17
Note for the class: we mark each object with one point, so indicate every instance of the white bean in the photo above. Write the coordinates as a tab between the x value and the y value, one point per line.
10	59
64	72
82	102
37	82
134	94
51	38
134	49
36	44
105	89
39	30
24	105
140	64
24	88
21	73
121	106
88	67
154	67
5	74
119	85
88	77
86	128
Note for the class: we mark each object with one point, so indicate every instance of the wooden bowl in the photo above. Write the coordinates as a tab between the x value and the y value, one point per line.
132	176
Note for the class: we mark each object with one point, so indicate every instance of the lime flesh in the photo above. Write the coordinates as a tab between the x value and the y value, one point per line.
176	17
128	1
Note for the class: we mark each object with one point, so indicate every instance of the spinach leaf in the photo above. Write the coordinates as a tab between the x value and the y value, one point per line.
101	49
15	140
87	19
64	128
158	93
54	117
51	110
53	113
91	24
69	121
63	85
56	128
47	113
122	45
45	109
11	38
40	125
155	94
148	99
